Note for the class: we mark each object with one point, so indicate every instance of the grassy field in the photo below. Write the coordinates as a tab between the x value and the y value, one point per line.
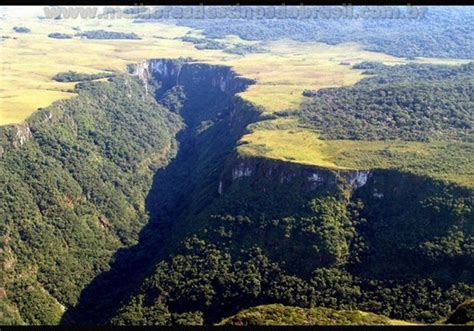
441	160
282	72
29	60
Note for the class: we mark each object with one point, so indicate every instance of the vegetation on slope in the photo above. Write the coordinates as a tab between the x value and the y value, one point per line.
464	313
213	121
8	311
399	239
73	192
250	245
256	244
278	314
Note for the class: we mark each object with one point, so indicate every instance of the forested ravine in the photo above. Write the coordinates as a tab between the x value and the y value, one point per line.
133	207
214	119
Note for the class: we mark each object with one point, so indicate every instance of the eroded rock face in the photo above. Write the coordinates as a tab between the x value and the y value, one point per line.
23	134
309	178
276	171
241	170
358	179
13	137
184	72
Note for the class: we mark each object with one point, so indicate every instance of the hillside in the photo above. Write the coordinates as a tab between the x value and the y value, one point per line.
238	239
282	315
73	184
464	314
256	245
415	118
278	314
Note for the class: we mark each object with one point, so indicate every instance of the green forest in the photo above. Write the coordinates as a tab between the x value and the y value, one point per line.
103	34
73	76
257	245
131	208
74	192
410	102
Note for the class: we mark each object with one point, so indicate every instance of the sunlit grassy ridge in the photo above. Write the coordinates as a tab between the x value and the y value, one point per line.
442	160
278	314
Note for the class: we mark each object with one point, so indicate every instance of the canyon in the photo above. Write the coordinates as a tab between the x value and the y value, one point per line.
175	188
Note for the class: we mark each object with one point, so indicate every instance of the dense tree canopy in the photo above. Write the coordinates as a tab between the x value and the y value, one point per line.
72	76
411	262
410	102
74	192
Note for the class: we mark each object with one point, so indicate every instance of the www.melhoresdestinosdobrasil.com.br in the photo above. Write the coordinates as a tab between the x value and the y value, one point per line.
236	12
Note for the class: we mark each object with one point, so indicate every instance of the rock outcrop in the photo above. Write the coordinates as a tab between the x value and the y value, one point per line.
308	177
171	72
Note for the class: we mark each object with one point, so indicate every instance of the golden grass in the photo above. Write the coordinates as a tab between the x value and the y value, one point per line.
290	67
30	61
441	160
17	105
294	145
390	321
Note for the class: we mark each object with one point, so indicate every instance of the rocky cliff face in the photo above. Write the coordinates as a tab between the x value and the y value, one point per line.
374	184
14	136
171	72
22	134
309	178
